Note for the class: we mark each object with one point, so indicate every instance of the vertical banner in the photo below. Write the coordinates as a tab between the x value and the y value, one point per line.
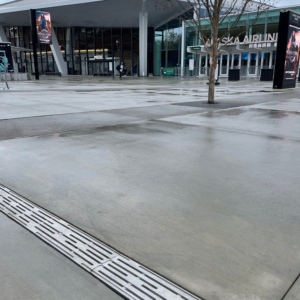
43	27
287	54
5	50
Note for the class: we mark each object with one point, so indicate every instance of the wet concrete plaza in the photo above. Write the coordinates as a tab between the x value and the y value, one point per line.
206	196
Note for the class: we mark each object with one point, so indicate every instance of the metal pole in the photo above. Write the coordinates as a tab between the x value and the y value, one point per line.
34	42
6	69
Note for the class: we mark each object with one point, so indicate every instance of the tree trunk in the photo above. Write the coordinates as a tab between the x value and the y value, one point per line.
211	87
212	72
214	59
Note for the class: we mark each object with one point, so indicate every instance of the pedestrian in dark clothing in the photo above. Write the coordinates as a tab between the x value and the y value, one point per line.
122	69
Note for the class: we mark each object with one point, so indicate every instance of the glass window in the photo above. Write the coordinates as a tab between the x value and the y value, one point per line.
173	58
273	16
126	35
127	51
99	41
274	58
165	40
224	60
174	38
107	42
236	60
253	59
157	55
244	61
203	61
76	57
60	34
135	36
266	59
69	54
107	36
21	37
272	28
90	42
259	26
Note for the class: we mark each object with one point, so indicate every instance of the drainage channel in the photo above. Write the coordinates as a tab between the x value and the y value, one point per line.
122	274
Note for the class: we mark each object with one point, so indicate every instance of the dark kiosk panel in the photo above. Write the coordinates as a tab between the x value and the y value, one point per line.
287	56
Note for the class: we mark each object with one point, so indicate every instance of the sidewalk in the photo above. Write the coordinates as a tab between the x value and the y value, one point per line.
30	269
206	197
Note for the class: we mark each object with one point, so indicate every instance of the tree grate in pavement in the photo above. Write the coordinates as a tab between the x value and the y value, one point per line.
122	274
216	105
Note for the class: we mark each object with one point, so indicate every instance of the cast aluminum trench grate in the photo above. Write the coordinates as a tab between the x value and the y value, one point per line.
119	272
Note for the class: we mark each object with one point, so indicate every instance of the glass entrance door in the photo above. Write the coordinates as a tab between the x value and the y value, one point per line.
224	65
236	61
253	64
266	60
100	68
203	64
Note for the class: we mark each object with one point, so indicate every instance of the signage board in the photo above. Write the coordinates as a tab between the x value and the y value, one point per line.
43	27
191	64
5	50
287	56
99	56
168	71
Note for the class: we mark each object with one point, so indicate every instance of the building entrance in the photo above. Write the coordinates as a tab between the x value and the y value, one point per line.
224	65
236	60
266	60
253	63
100	68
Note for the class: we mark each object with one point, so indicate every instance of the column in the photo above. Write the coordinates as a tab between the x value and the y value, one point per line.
228	61
182	44
60	62
143	40
3	37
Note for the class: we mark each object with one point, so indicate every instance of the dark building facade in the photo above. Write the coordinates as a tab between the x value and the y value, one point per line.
87	50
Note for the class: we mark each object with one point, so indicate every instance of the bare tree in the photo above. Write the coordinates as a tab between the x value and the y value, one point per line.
207	27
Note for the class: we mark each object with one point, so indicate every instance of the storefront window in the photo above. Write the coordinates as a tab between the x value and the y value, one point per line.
236	60
244	61
107	43
79	45
90	42
266	59
99	41
158	52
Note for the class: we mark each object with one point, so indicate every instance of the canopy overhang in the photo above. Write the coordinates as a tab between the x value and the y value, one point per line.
86	13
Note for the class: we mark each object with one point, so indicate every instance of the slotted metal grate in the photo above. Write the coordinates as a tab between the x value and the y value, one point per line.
122	274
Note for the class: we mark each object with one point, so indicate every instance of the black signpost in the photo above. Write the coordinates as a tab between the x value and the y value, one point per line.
34	41
287	55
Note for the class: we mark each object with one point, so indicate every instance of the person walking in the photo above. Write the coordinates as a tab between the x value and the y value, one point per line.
121	68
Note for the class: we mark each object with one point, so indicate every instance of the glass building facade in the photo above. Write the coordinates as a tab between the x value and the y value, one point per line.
91	50
170	42
87	50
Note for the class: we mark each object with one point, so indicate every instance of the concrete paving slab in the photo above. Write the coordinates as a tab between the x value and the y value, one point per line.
280	124
156	112
207	222
284	106
212	207
32	270
35	126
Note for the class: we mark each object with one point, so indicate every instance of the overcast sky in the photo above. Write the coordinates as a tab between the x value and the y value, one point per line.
288	2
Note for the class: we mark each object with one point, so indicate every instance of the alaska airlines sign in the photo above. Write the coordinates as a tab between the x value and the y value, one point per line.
253	39
256	38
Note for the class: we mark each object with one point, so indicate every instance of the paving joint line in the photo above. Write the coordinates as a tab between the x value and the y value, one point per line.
122	274
289	289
